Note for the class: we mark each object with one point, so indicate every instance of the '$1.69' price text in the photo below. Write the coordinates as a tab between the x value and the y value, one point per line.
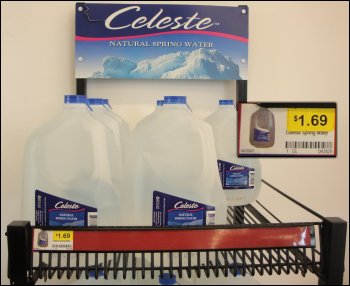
310	119
63	235
315	120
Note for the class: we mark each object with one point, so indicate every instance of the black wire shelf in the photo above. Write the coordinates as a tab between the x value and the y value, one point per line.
242	247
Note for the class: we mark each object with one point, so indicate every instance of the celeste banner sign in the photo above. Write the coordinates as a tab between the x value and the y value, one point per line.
156	41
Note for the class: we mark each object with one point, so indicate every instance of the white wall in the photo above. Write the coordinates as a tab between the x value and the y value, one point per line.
297	52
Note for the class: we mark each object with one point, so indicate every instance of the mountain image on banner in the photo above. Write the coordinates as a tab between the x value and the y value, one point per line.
197	64
114	67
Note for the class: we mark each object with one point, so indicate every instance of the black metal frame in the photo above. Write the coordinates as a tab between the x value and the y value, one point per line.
19	241
81	86
333	240
241	88
327	262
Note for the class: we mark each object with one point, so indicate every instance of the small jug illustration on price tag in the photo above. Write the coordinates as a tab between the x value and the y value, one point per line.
43	239
262	128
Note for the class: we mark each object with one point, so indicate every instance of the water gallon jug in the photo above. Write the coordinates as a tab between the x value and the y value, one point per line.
262	128
120	158
240	177
150	117
68	176
121	121
176	180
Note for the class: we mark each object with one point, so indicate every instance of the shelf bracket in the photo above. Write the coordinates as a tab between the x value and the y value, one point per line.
19	241
333	238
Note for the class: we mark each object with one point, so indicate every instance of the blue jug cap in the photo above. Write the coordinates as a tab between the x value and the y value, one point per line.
75	98
95	101
167	280
226	102
160	102
105	101
174	100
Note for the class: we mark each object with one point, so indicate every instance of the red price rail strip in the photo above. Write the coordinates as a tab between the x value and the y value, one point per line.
170	239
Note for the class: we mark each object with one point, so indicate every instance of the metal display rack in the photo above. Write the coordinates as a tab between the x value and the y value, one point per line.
256	241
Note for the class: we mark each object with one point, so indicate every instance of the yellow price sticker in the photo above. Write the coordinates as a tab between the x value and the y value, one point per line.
66	235
310	119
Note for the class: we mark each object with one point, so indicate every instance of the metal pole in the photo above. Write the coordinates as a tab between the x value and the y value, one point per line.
81	86
242	90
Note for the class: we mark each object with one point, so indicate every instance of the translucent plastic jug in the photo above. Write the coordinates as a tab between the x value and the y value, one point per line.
150	117
176	179
118	118
120	156
68	171
262	128
240	177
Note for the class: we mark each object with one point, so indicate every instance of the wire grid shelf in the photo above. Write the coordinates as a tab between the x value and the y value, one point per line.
316	246
205	263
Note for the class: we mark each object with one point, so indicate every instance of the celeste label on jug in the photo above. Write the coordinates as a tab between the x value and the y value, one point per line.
261	135
170	210
55	211
234	176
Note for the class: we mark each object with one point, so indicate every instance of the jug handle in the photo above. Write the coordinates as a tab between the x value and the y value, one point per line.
203	139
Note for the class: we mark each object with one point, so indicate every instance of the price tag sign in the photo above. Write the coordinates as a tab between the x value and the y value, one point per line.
287	129
310	119
57	240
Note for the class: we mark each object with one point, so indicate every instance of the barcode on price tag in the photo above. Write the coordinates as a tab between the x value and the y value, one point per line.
309	144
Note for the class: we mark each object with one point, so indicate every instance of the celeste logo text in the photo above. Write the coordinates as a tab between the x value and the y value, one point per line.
157	21
237	168
61	205
182	205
